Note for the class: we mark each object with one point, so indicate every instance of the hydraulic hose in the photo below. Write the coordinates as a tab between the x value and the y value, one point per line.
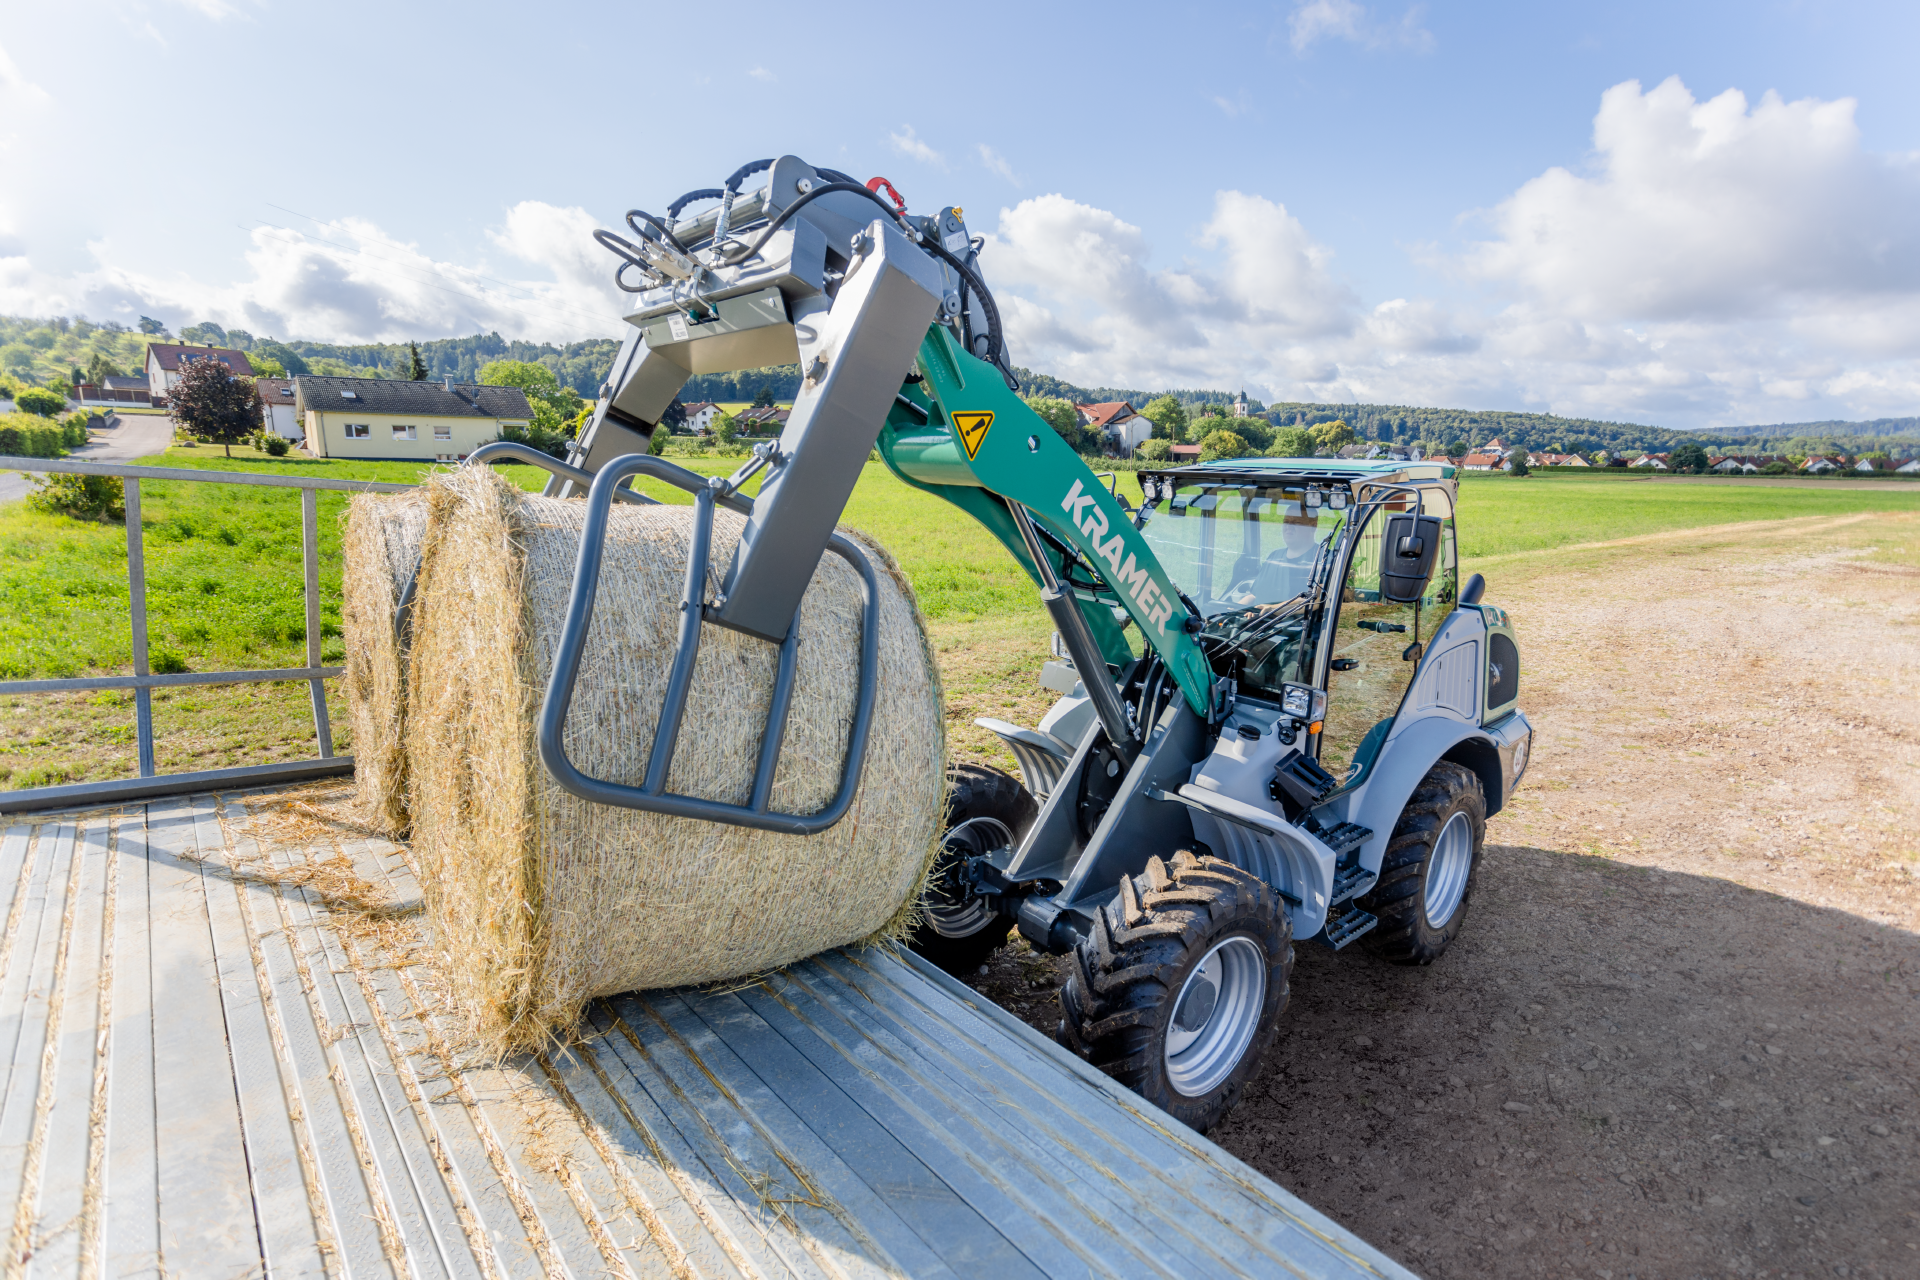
705	193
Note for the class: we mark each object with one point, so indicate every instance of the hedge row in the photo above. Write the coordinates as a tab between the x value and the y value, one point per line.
24	435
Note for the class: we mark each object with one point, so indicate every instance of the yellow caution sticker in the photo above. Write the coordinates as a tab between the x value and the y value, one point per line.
973	430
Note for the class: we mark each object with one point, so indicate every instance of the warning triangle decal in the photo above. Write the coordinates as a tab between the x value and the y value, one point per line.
973	430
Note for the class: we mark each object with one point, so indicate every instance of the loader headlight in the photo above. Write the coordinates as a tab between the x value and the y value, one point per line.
1303	702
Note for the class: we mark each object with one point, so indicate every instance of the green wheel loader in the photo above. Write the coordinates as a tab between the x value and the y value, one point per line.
1282	715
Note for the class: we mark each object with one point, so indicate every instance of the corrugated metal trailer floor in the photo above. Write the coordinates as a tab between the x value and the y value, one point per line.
220	1061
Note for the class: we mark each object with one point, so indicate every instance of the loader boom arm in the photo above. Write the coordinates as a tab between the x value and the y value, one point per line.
900	348
982	446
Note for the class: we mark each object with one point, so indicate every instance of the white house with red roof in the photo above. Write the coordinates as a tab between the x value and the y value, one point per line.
166	361
700	416
1118	423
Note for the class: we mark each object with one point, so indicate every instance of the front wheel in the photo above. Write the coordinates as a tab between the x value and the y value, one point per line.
986	809
1179	990
1432	861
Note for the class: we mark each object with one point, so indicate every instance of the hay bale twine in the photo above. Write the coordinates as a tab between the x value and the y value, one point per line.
379	552
540	901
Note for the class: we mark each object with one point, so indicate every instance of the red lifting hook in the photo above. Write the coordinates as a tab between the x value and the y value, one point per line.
874	185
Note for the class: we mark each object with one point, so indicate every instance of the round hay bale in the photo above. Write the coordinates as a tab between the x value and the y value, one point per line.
540	901
378	554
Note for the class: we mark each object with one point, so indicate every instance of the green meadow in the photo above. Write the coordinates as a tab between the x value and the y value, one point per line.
224	579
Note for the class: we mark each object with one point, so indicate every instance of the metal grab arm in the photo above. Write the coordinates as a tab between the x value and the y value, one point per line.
652	795
565	470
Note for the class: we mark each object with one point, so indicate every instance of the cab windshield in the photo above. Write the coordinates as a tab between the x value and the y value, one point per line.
1235	547
1242	553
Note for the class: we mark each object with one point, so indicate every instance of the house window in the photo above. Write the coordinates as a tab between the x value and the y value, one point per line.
358	431
443	433
405	433
443	457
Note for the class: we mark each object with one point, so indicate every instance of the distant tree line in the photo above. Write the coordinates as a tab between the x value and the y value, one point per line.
56	353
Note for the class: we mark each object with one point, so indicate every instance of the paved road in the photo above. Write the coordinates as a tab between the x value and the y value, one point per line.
137	436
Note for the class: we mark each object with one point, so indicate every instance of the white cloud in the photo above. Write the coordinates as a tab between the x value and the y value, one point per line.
997	163
1316	20
1711	209
1087	305
762	74
348	281
909	143
16	91
1720	263
1238	105
215	9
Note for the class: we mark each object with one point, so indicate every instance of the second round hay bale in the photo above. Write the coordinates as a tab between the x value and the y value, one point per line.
379	552
539	900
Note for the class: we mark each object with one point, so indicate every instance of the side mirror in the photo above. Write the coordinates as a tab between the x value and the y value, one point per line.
1407	556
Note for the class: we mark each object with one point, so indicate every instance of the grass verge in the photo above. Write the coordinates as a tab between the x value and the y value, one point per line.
224	592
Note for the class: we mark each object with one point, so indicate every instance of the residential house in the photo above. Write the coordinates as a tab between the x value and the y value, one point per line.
1657	461
766	420
1496	445
1818	465
278	413
1485	462
166	361
700	416
114	390
1182	454
1556	460
1911	467
1865	464
1116	421
390	418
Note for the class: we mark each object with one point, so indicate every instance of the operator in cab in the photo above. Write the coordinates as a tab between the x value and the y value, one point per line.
1287	568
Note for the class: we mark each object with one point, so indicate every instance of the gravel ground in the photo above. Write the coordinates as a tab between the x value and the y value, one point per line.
1678	1035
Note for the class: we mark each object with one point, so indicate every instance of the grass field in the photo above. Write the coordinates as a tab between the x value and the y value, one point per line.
223	567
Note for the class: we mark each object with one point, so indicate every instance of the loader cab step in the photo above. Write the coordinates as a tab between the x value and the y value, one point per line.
1347	926
1343	838
1349	880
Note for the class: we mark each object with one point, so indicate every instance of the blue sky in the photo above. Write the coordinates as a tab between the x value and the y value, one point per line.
1695	216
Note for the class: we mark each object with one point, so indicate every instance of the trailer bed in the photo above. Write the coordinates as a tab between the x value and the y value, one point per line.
223	1056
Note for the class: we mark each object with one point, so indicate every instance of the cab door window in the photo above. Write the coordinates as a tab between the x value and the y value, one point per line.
1378	644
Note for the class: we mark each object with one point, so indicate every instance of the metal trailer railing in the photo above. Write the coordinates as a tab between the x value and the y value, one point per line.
143	681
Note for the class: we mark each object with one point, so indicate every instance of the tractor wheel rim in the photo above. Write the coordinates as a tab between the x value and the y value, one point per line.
964	917
1447	869
1232	980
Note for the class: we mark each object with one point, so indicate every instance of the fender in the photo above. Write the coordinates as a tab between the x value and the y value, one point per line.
1403	761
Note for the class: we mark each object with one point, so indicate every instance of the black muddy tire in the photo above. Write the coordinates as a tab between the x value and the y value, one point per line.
958	930
1420	898
1137	1005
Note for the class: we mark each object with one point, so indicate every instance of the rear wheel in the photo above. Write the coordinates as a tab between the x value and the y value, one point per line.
986	809
1179	991
1427	875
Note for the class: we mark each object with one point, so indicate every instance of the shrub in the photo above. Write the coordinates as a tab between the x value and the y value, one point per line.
277	445
29	437
1158	449
40	401
1292	442
73	431
81	497
165	662
1222	444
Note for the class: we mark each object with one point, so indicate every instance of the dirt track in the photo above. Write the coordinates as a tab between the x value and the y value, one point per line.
1679	1034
